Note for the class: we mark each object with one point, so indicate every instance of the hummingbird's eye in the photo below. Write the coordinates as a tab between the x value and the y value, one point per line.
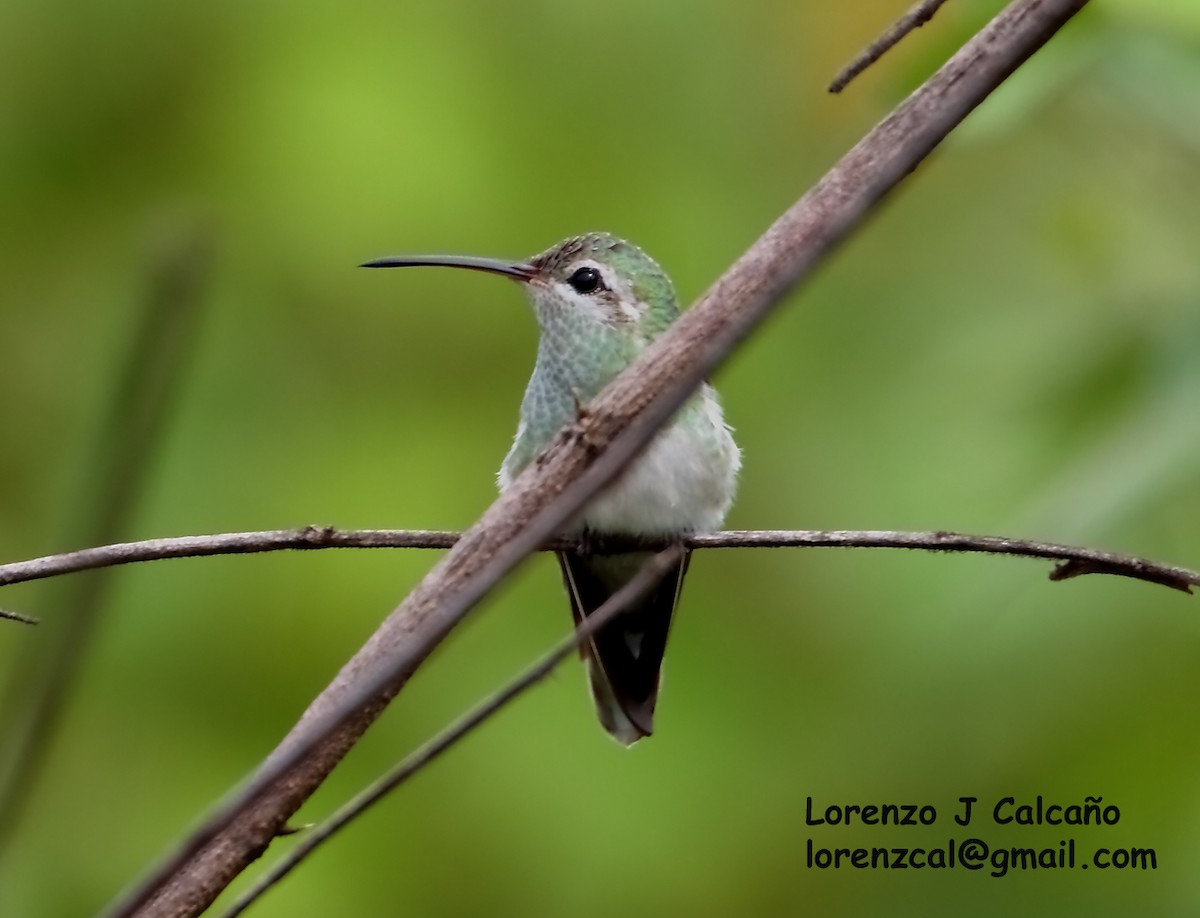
586	280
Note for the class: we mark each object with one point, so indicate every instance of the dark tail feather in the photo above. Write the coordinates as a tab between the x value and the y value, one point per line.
625	658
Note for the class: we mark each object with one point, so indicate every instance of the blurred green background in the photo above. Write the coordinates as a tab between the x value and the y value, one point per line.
1011	347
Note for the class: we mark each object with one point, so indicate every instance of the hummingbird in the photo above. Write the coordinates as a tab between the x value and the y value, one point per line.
599	302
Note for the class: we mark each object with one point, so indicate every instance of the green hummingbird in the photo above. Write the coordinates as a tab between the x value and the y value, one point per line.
599	301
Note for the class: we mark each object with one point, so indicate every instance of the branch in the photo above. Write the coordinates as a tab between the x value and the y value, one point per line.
651	573
587	456
229	543
1076	560
916	17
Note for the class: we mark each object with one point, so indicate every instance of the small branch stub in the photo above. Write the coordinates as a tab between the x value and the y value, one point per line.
916	17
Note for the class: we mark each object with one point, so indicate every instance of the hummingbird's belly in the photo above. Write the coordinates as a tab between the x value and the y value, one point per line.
683	482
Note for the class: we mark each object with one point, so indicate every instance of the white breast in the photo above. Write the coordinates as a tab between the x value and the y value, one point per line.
683	482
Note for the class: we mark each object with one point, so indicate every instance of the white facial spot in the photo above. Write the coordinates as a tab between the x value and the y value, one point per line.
614	299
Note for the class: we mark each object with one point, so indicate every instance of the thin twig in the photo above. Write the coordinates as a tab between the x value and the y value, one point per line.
650	574
114	472
18	617
916	17
584	458
1075	560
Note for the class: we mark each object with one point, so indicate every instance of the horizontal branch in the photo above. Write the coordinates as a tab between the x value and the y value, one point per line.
1073	560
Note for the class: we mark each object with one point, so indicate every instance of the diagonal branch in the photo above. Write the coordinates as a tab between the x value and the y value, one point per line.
586	456
916	17
1075	560
651	572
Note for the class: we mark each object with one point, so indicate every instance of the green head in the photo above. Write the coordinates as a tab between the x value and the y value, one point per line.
606	281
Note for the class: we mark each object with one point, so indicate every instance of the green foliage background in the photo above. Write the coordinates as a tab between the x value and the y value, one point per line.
1012	347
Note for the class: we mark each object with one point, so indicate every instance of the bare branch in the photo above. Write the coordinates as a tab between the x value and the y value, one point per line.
586	457
18	617
229	543
916	17
652	572
1076	560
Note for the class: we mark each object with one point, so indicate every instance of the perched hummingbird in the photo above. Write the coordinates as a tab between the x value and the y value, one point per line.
599	302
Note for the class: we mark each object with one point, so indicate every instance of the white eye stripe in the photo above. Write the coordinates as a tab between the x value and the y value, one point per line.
611	302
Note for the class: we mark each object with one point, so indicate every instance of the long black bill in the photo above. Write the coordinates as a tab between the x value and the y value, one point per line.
515	270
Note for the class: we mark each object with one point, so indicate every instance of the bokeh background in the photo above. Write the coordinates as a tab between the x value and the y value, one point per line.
1011	347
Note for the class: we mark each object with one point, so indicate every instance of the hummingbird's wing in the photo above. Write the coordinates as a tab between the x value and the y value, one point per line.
625	658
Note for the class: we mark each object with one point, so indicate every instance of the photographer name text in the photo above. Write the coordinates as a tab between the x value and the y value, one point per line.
1006	811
